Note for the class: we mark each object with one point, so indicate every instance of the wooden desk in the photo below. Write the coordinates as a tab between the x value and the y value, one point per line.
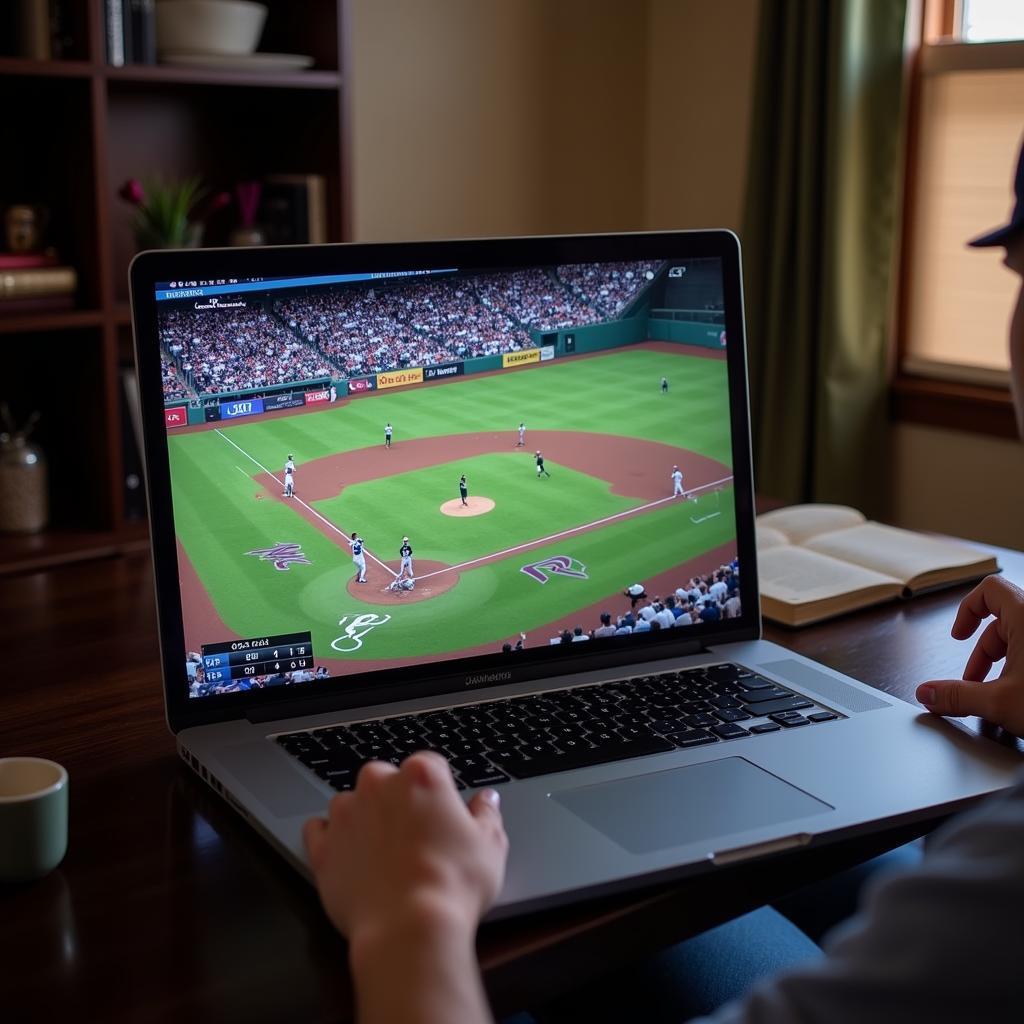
167	905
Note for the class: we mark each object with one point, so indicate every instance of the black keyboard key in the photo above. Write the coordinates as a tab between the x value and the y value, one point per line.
667	724
752	682
773	707
764	694
726	702
476	780
700	721
584	757
731	715
822	716
790	721
691	738
729	731
766	727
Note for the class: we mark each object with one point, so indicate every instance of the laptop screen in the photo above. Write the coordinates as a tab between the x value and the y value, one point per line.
383	469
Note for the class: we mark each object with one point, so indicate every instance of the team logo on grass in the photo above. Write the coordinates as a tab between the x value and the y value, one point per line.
282	555
356	629
557	565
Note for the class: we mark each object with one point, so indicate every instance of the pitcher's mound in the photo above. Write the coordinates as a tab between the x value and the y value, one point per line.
475	506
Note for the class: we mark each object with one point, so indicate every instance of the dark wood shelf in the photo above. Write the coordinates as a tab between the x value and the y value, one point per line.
59	320
141	74
116	123
21	553
46	68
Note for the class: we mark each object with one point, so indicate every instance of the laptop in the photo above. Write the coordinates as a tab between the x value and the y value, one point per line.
494	498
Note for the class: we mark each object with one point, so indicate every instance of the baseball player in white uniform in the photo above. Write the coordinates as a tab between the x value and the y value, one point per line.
388	431
521	443
289	477
677	482
356	543
406	552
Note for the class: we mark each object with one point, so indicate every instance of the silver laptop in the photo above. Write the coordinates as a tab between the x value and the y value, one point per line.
494	499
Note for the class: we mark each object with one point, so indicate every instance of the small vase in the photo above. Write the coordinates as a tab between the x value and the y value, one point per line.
192	238
24	501
247	236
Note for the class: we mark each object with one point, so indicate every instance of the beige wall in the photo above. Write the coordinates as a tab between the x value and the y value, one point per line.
701	67
967	485
443	97
487	117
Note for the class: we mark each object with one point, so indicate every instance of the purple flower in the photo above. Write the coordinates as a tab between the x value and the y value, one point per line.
131	192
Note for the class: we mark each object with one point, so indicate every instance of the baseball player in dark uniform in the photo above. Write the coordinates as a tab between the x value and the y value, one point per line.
540	465
664	385
406	552
463	490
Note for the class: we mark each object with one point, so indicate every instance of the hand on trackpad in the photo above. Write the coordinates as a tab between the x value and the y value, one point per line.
686	805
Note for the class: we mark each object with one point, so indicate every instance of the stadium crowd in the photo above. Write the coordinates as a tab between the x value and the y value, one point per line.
711	597
357	331
174	385
608	287
236	349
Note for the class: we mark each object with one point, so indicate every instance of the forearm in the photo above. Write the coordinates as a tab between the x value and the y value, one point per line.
422	973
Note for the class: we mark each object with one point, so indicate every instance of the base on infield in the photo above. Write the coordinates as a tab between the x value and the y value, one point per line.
476	506
374	591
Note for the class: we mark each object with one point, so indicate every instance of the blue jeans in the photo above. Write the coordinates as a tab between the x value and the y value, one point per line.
699	975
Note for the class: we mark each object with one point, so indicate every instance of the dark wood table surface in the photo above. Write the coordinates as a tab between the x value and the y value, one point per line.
168	905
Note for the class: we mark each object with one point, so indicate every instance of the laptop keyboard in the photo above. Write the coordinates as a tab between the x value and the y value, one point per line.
496	741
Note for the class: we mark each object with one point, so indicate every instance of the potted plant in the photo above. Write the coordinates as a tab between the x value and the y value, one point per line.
171	214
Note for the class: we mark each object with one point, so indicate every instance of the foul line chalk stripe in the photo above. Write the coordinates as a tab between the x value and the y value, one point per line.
567	533
313	511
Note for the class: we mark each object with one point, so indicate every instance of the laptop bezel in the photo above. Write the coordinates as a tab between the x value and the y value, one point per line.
435	678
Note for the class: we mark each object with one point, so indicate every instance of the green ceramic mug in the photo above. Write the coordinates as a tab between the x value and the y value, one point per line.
33	817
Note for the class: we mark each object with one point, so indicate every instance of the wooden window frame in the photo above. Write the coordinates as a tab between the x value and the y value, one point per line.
934	400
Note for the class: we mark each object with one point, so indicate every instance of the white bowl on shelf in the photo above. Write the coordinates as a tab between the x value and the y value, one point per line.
226	27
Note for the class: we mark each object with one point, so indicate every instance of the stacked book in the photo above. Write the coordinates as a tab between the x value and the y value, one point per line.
131	31
34	281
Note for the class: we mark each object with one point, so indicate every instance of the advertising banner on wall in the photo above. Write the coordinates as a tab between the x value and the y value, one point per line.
243	407
547	352
176	417
360	384
443	370
399	378
530	355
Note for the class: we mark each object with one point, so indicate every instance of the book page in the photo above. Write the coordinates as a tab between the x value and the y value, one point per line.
767	537
798	576
799	522
901	553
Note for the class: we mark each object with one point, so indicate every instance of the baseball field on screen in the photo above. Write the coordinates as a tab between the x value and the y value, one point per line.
256	563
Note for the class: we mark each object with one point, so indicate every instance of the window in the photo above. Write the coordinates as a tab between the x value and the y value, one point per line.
967	125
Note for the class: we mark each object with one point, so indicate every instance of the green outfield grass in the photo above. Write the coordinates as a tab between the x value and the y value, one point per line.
525	507
218	517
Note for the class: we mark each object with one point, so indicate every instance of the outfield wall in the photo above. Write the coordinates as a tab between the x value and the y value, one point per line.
595	337
687	332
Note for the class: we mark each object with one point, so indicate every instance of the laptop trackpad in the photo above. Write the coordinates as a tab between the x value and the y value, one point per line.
686	805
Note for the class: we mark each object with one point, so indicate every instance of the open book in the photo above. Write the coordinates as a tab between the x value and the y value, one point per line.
817	561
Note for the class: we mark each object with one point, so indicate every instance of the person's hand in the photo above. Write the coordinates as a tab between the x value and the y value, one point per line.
403	853
1001	700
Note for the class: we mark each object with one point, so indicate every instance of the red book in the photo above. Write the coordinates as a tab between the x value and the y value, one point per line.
26	260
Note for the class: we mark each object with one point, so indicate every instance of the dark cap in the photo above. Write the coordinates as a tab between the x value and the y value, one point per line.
1000	236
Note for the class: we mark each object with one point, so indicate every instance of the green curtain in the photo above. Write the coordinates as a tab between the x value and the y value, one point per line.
820	241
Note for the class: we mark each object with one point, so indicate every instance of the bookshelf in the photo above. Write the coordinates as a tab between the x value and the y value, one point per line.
80	128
